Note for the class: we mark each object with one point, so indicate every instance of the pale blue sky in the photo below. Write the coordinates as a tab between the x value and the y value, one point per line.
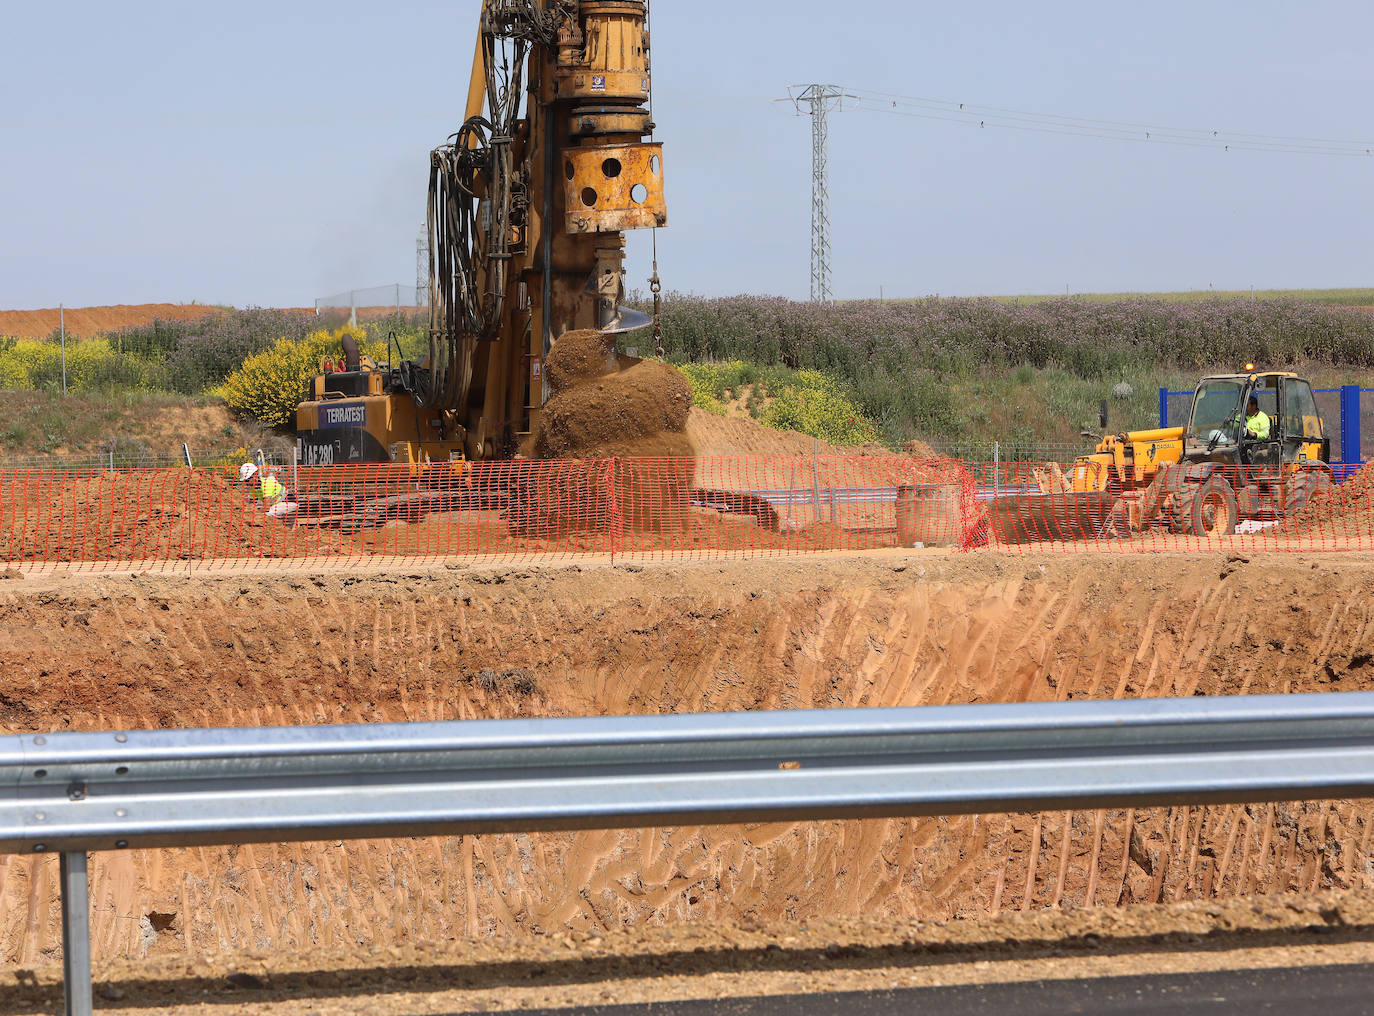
267	153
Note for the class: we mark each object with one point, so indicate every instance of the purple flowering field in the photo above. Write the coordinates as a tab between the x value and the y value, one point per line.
947	367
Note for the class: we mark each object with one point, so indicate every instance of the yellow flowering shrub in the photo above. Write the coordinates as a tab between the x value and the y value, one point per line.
269	385
820	412
92	365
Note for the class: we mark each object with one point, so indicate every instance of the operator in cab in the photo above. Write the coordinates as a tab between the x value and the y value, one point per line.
1256	422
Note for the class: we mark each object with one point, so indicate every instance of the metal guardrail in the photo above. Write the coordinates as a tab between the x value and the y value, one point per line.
802	497
72	793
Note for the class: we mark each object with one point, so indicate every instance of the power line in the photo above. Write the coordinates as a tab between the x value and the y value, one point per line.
969	114
1114	123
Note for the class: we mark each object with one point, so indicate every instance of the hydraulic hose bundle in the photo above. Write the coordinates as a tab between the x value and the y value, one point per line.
478	201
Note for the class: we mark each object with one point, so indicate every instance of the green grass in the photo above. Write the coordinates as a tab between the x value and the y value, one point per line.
808	401
44	423
1022	407
1344	297
1033	407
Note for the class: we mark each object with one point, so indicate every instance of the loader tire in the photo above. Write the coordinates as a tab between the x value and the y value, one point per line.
1303	489
1212	509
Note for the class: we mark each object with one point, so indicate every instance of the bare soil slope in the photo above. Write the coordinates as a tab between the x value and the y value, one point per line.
84	322
737	433
890	629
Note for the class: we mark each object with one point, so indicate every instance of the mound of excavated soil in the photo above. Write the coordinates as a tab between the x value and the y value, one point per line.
713	435
606	406
639	411
579	356
737	453
736	435
136	516
1348	510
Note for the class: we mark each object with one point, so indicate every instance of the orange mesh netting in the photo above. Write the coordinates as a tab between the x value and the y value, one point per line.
661	506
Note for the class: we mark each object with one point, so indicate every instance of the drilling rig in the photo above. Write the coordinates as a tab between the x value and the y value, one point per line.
528	204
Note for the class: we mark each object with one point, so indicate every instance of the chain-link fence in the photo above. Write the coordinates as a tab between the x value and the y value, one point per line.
1012	451
116	460
373	302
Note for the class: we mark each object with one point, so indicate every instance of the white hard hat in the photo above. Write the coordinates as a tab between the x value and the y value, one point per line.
246	471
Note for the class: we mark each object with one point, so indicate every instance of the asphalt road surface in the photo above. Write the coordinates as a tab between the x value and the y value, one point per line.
1303	991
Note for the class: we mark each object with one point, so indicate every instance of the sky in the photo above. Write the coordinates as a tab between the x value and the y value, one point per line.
266	153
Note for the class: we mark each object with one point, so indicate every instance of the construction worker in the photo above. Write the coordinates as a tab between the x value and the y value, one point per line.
278	500
1256	422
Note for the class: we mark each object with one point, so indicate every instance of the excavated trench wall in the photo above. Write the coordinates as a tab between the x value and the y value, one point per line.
829	632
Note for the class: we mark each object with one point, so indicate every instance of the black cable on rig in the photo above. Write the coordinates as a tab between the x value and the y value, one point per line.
475	197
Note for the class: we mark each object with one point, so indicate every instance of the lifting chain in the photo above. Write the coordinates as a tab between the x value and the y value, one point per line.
656	287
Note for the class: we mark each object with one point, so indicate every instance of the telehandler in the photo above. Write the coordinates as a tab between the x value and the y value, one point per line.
1201	479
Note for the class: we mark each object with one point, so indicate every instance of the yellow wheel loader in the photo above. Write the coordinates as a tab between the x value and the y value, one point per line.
1201	479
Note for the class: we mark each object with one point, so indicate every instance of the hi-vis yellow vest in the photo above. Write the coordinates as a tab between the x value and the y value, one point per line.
270	489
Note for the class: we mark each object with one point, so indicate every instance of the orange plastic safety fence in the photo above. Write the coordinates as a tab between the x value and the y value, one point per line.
771	505
652	508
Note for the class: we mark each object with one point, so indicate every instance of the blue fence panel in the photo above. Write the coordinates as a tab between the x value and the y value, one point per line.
1329	409
1367	424
1174	408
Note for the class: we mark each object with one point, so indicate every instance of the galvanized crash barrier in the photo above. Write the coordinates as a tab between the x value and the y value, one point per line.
73	793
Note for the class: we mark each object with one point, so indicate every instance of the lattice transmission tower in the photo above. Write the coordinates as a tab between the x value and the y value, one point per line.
422	267
817	101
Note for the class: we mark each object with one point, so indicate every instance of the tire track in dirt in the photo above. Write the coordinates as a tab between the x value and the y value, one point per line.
161	652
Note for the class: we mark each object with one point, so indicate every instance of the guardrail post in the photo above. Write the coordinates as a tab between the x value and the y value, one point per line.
1163	408
76	935
1351	448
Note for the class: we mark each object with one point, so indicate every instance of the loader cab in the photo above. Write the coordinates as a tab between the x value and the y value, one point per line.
1216	426
1260	452
1214	423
